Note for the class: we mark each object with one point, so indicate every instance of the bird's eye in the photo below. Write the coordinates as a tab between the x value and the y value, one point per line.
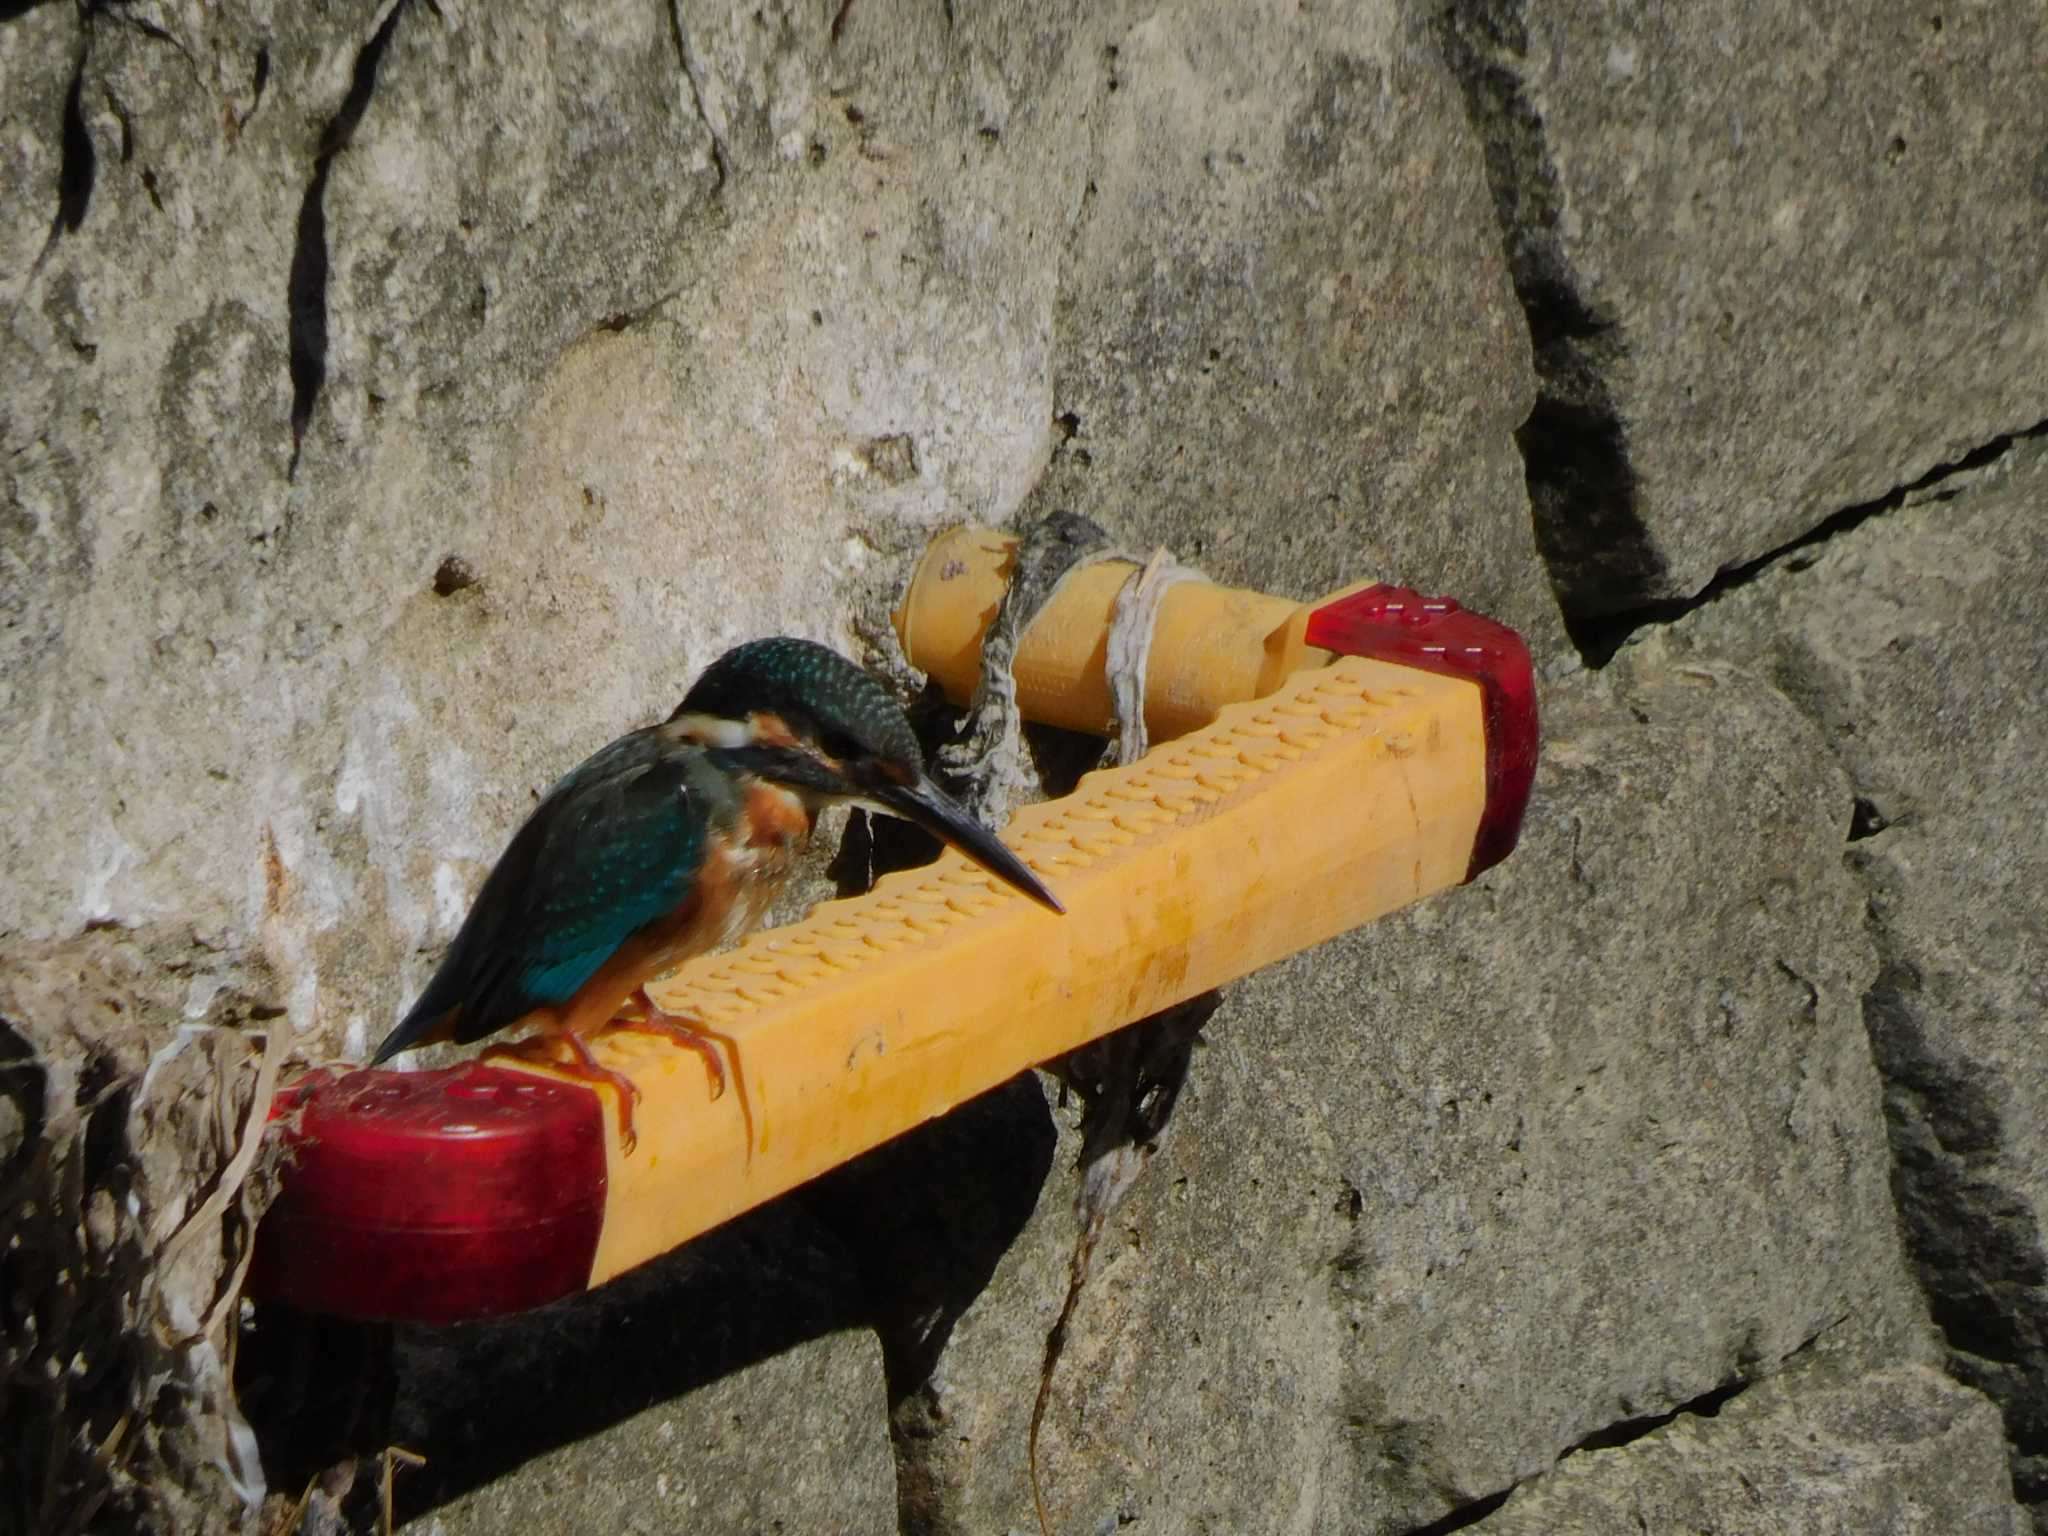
839	744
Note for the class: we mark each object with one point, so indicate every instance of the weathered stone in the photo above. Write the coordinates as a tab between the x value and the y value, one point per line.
1571	1146
414	396
798	1442
1889	1453
240	697
1288	348
561	299
1778	260
1920	641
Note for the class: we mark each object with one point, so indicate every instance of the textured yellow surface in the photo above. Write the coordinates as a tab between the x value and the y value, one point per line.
1211	646
1353	790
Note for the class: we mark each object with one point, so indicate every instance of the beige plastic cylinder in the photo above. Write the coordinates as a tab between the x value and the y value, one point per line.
1212	645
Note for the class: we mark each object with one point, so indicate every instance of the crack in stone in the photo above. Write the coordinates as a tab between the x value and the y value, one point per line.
1975	1246
1599	640
1620	1433
121	16
78	157
261	78
1707	1405
77	163
1866	820
1465	1515
306	291
693	70
1583	492
638	316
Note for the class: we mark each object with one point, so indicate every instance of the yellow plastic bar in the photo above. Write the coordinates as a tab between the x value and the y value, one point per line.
1346	792
1212	645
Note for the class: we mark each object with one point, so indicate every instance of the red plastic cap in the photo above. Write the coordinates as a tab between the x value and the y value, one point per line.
434	1196
1436	635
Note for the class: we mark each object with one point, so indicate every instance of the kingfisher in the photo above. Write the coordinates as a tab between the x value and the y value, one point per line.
671	841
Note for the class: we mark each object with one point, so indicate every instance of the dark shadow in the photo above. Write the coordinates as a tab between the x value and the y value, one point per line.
316	1390
972	1177
21	1085
79	162
1465	1516
1622	1432
306	285
875	846
927	1217
1974	1242
1599	638
1583	494
479	1399
902	1240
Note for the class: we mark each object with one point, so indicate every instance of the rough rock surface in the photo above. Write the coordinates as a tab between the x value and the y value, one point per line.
1777	261
1920	642
1900	1452
237	696
1370	1279
549	447
798	1442
399	399
484	273
1241	371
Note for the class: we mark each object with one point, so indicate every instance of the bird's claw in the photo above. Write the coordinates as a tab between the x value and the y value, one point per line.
540	1050
692	1035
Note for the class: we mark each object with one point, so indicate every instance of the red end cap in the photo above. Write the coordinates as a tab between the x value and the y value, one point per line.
433	1197
1435	634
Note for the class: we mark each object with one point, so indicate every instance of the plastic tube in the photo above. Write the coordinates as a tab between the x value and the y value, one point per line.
1326	797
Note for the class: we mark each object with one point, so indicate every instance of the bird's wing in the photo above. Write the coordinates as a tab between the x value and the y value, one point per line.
610	849
619	853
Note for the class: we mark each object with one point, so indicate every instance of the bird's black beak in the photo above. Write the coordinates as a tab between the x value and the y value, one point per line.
950	821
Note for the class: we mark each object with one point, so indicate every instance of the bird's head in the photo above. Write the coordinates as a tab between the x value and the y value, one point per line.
800	715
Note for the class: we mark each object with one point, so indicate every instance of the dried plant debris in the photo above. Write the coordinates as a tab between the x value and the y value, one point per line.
1128	1082
988	764
131	1187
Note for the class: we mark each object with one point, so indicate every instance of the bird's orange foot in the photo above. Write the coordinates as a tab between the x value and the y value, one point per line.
680	1030
692	1035
542	1050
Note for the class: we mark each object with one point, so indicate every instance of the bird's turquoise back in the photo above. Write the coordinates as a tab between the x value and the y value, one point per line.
612	847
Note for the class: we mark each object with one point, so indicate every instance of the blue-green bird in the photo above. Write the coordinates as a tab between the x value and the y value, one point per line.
673	840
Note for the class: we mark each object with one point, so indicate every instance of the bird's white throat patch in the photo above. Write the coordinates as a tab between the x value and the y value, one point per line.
713	730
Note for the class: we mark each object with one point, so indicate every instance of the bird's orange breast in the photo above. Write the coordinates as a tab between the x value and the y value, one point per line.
727	898
774	816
